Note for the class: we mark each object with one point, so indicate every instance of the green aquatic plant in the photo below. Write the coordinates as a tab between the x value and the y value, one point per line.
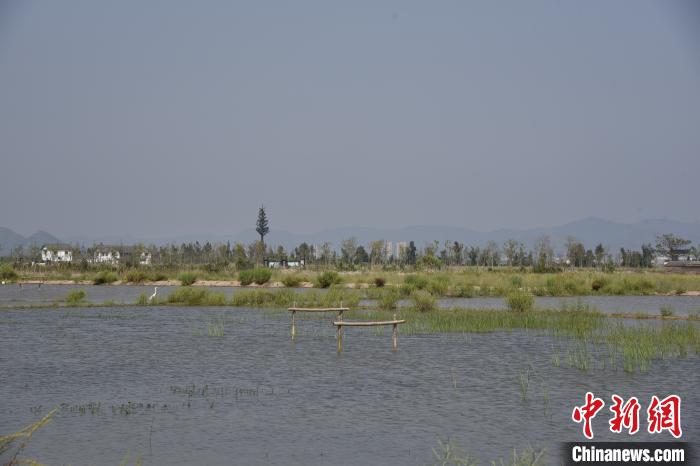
327	278
75	297
259	276
215	328
388	301
293	280
188	296
105	278
7	272
142	300
187	278
448	454
521	301
528	457
423	301
22	437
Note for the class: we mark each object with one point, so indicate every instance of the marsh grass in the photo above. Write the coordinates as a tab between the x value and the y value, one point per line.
259	276
524	383
75	298
142	300
447	453
590	338
293	280
388	301
7	272
637	345
422	301
126	460
196	297
327	279
105	278
288	298
450	281
215	327
187	278
21	438
521	301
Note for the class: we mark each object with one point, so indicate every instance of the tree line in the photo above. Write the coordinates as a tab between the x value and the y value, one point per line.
434	254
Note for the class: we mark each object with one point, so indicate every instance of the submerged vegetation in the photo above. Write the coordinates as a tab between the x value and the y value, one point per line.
75	297
447	453
19	440
188	296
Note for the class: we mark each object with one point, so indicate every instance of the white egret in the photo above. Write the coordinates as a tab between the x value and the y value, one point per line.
155	291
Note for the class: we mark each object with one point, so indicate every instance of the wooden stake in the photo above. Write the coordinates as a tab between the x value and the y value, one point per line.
339	336
395	336
340	327
294	326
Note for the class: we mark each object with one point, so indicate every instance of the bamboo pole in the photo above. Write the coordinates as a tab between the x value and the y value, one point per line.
340	327
339	337
347	323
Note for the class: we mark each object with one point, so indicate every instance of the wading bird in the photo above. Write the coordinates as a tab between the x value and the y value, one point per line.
155	291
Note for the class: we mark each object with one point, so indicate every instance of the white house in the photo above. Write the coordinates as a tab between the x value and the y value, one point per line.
114	254
284	263
388	250
106	255
57	253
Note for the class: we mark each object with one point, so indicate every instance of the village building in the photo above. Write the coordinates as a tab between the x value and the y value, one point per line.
120	255
57	253
284	263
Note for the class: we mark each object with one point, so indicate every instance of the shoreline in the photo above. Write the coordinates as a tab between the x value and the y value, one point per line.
275	285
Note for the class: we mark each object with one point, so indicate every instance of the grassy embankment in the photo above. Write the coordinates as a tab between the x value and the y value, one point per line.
453	282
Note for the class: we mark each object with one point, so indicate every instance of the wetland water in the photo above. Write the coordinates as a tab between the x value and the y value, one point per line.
32	294
171	393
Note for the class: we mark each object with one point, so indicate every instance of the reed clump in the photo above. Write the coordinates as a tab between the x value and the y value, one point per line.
520	301
327	279
288	298
105	278
75	297
7	272
388	301
196	297
638	345
187	278
293	280
422	301
259	276
21	438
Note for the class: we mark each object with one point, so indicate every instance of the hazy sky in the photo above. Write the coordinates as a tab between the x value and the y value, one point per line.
179	117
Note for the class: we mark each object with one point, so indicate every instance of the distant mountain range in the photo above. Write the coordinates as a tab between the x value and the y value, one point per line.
590	231
9	240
